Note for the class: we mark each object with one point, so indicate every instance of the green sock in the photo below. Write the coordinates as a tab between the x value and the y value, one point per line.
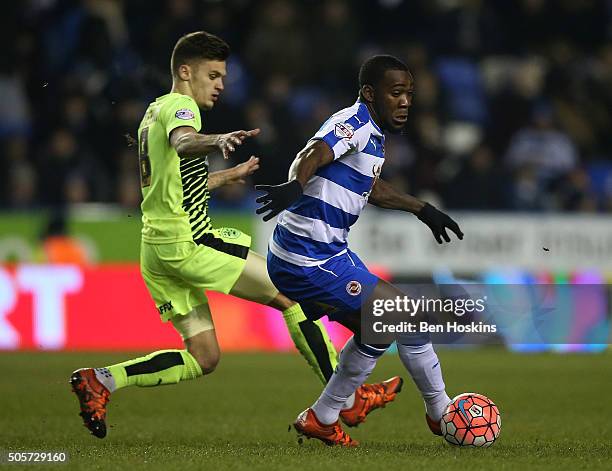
312	341
156	369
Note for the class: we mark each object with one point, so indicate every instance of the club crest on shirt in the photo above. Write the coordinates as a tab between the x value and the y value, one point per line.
344	130
353	288
184	113
229	233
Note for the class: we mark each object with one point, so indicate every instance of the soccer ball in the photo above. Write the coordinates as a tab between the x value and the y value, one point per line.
471	420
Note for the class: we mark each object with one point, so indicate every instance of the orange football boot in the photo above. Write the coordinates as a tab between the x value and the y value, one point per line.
309	426
433	425
369	397
93	397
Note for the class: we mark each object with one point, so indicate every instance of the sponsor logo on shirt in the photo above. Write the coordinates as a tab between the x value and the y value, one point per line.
344	130
184	113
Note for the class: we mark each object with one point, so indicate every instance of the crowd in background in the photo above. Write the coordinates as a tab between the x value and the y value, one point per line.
512	110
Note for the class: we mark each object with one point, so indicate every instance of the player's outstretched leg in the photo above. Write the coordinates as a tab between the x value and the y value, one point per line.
93	386
310	337
423	365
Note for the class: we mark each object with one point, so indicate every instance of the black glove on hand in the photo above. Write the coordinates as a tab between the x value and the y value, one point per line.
278	197
438	222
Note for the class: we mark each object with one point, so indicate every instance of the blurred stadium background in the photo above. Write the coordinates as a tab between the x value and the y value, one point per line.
510	131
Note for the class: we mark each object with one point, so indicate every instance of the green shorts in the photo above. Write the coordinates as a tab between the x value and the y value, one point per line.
178	274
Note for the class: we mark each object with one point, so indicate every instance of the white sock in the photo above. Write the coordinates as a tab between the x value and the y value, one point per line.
106	378
350	402
423	365
353	369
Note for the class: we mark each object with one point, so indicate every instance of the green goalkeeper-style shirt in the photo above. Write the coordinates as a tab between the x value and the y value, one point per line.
174	190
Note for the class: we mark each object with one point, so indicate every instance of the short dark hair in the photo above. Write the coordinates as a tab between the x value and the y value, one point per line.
198	45
373	69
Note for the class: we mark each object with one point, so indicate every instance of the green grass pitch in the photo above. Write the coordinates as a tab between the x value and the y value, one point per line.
556	414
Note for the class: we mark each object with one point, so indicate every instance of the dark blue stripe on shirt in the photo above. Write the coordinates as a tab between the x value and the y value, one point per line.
315	208
375	150
345	176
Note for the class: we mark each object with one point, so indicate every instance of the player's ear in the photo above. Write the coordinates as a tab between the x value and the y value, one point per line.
367	92
184	72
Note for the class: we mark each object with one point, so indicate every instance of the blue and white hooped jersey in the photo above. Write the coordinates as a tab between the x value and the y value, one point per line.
316	227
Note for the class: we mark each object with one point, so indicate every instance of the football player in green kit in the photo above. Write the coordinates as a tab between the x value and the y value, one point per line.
182	255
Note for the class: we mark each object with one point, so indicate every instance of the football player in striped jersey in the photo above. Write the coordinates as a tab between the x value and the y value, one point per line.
330	182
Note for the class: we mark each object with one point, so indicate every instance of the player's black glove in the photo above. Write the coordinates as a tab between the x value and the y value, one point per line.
438	222
278	197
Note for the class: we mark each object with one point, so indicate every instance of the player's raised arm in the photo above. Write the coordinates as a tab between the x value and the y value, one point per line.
189	144
385	196
233	175
279	197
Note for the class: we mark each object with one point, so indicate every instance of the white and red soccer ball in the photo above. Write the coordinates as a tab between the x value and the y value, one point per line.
471	420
